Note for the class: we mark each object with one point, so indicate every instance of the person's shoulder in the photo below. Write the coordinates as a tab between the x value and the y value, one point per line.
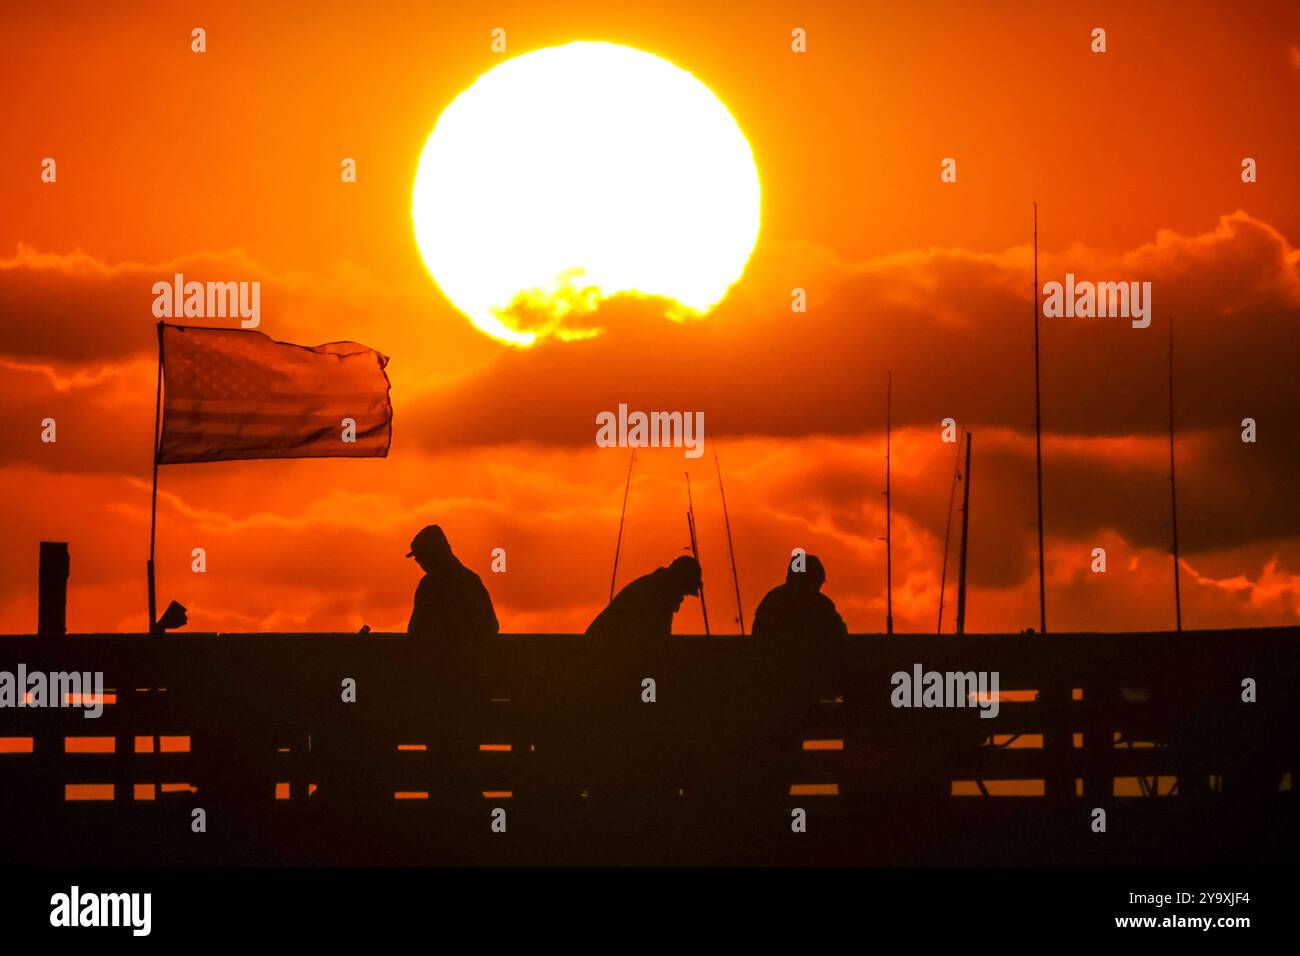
772	610
468	576
645	584
774	596
827	607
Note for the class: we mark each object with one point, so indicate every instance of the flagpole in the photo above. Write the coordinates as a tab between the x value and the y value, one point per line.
153	504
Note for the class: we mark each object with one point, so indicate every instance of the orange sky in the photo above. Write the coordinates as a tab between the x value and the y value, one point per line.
225	165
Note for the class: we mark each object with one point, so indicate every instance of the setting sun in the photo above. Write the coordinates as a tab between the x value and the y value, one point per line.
574	173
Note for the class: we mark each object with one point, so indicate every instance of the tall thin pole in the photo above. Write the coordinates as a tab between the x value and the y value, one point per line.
965	530
1038	444
889	538
947	534
1173	484
695	550
1056	786
618	544
153	504
731	547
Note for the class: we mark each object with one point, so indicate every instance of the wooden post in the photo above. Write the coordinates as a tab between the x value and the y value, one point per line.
52	596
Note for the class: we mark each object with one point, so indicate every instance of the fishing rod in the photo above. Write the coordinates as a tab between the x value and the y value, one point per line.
1038	445
731	547
965	529
947	532
618	545
695	549
1173	484
889	535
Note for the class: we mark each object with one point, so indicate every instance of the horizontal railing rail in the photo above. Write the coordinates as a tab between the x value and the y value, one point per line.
256	728
1099	697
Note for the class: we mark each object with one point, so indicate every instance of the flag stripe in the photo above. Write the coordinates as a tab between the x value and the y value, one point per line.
319	418
277	433
179	404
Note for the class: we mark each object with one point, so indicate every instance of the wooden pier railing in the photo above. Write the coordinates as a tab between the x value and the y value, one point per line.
545	748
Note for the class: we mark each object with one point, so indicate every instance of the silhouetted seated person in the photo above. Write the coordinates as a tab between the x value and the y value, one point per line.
638	749
797	611
451	603
643	611
799	642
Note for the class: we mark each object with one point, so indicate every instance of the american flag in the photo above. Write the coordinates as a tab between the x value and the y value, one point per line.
235	394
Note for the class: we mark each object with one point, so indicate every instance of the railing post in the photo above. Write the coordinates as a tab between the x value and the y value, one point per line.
1054	693
1098	705
51	622
52	597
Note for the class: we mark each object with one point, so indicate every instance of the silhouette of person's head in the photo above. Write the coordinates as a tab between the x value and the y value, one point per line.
685	572
430	548
811	577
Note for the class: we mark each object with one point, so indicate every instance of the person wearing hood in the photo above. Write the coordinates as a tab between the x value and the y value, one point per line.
797	612
451	603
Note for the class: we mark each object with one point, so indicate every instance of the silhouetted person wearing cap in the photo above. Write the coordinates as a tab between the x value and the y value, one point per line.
644	609
451	603
452	618
797	610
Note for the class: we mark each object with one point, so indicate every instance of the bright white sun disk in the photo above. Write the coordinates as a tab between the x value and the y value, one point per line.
574	173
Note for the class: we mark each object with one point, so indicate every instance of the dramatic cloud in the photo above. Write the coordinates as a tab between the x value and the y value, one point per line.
320	544
73	309
498	445
954	327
